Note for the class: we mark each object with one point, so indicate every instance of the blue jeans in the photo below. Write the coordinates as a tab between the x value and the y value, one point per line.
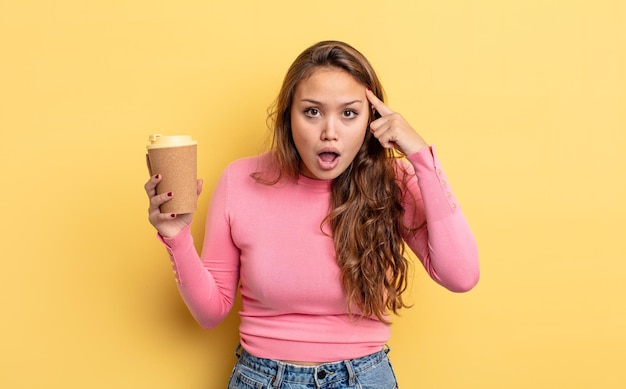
372	371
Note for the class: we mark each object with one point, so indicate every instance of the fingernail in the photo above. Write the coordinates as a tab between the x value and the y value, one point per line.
169	194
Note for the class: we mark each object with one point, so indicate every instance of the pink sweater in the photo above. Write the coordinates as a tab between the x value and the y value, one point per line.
269	239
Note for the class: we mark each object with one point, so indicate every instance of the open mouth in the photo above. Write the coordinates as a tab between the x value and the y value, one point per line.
328	159
328	156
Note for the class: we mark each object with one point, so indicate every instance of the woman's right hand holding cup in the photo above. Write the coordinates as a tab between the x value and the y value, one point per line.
167	224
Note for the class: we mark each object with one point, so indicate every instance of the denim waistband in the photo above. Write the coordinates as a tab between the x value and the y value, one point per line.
319	375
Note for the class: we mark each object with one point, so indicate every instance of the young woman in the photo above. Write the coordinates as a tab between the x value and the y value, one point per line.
314	232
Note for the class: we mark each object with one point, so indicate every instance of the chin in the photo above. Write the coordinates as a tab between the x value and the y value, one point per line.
320	175
329	174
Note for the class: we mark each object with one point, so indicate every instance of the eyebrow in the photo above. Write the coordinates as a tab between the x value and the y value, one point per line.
322	104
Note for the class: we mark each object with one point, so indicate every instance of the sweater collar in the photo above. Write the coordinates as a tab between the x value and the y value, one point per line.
317	185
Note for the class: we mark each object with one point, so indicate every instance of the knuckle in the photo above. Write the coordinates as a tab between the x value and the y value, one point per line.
155	200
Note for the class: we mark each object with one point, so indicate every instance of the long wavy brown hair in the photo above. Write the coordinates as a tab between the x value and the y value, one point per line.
365	212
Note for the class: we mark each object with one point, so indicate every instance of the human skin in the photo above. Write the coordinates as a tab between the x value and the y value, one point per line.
329	117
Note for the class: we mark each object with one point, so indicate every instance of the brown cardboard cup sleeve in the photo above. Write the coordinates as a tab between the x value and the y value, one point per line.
178	168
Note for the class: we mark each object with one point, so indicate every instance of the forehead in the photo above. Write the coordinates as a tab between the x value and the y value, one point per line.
329	81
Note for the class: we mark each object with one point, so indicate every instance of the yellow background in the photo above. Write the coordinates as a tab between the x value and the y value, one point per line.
525	101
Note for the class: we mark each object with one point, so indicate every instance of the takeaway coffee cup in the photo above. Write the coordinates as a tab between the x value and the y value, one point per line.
175	159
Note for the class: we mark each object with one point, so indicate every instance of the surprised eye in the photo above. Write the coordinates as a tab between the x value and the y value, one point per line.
312	112
349	113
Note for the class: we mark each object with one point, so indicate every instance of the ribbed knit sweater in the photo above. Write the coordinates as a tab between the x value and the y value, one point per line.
268	240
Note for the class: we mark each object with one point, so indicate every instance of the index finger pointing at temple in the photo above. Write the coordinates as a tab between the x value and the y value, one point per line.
377	103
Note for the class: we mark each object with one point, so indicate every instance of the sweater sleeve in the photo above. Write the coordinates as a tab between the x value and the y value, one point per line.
435	227
207	284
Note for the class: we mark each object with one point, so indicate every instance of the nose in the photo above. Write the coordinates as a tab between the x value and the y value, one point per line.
329	132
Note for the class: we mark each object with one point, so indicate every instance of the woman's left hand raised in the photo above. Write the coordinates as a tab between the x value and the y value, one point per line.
391	130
